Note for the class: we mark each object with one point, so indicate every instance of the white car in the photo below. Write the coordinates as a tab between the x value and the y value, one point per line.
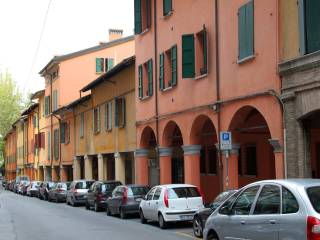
170	203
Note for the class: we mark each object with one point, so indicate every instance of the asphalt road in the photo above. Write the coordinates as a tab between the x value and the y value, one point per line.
24	218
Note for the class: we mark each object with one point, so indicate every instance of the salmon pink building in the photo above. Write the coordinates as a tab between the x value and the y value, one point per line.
203	67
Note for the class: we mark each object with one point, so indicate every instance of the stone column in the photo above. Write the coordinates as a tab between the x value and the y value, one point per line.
192	164
165	155
232	182
88	167
63	175
101	164
120	167
141	166
54	174
76	168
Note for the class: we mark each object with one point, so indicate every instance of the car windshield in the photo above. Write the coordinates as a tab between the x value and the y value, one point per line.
51	184
83	185
135	191
314	196
62	185
183	192
222	197
108	187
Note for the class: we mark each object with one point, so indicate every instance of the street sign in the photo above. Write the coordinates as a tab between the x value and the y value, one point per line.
225	141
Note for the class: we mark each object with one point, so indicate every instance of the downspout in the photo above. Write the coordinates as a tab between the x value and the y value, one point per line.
156	79
51	126
218	91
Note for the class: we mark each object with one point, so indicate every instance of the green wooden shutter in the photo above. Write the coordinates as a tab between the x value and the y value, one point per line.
137	17
161	72
140	81
167	7
148	2
246	30
123	111
312	25
49	145
62	132
205	52
110	63
174	65
188	56
56	144
116	112
150	78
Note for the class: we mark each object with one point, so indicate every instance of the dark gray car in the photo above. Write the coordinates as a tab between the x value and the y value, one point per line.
78	192
126	200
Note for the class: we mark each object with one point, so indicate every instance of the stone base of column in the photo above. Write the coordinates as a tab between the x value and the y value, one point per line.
120	167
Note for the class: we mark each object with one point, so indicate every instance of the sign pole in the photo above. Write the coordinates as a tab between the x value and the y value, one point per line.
227	169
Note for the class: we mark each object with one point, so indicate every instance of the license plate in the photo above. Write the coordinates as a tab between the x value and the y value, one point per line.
186	217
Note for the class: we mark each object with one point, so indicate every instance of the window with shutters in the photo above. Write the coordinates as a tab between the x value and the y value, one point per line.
145	76
81	129
167	7
120	112
34	121
49	146
104	64
56	144
55	100
64	132
142	15
108	116
47	106
96	120
311	25
246	31
201	45
168	68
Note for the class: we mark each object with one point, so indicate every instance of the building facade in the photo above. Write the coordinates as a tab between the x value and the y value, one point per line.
10	154
195	78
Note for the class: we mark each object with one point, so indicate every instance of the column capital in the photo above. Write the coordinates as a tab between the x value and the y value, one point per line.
100	155
165	151
275	143
191	149
116	155
141	152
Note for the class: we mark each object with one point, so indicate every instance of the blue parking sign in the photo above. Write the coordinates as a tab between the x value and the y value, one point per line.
225	141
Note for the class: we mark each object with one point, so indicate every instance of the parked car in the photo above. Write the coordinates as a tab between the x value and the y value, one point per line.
22	186
78	192
126	200
170	203
269	210
58	192
33	188
4	183
11	185
201	216
98	194
44	189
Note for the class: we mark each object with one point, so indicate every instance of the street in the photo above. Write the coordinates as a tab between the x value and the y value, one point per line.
24	218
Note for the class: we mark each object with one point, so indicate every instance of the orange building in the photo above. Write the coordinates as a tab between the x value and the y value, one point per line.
64	77
203	67
10	154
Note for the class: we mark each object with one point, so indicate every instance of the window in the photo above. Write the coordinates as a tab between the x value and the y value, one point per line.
145	83
168	68
157	194
49	146
246	31
251	160
35	121
55	100
268	201
56	144
311	25
289	202
142	15
208	160
104	64
64	132
96	120
108	116
47	106
195	54
167	7
81	125
120	112
150	194
243	204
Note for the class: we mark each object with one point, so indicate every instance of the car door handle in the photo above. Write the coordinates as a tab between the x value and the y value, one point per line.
157	203
243	222
272	221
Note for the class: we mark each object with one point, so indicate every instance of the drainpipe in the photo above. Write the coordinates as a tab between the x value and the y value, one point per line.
156	79
216	11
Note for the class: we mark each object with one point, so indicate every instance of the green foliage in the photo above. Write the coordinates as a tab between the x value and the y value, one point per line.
11	104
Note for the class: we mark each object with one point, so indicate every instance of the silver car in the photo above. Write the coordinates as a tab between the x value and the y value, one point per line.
269	210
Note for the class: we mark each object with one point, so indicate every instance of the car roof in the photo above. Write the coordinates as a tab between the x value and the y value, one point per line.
175	185
291	182
136	185
111	181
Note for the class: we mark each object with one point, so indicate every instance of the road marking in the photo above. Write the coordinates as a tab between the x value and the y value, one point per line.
186	235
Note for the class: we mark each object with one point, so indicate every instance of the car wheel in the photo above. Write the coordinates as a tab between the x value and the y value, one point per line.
142	218
162	222
212	237
197	227
87	205
123	214
108	211
96	207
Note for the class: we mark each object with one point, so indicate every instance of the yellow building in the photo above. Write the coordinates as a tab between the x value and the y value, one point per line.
105	133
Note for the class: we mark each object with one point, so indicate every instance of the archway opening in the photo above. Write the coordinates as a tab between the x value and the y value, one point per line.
256	160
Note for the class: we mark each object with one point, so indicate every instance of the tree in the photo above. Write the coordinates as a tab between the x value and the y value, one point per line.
11	104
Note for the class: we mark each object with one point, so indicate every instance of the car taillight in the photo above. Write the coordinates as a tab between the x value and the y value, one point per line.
166	198
100	197
125	196
59	190
313	228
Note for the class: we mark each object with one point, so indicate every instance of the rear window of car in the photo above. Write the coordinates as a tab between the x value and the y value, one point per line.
183	192
314	196
109	187
135	191
62	185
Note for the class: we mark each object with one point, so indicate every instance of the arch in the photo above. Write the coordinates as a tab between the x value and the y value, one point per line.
148	138
172	135
202	126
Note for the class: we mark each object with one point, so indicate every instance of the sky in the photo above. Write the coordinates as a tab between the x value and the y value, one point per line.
71	25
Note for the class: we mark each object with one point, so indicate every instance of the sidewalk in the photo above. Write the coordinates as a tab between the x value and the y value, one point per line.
7	231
